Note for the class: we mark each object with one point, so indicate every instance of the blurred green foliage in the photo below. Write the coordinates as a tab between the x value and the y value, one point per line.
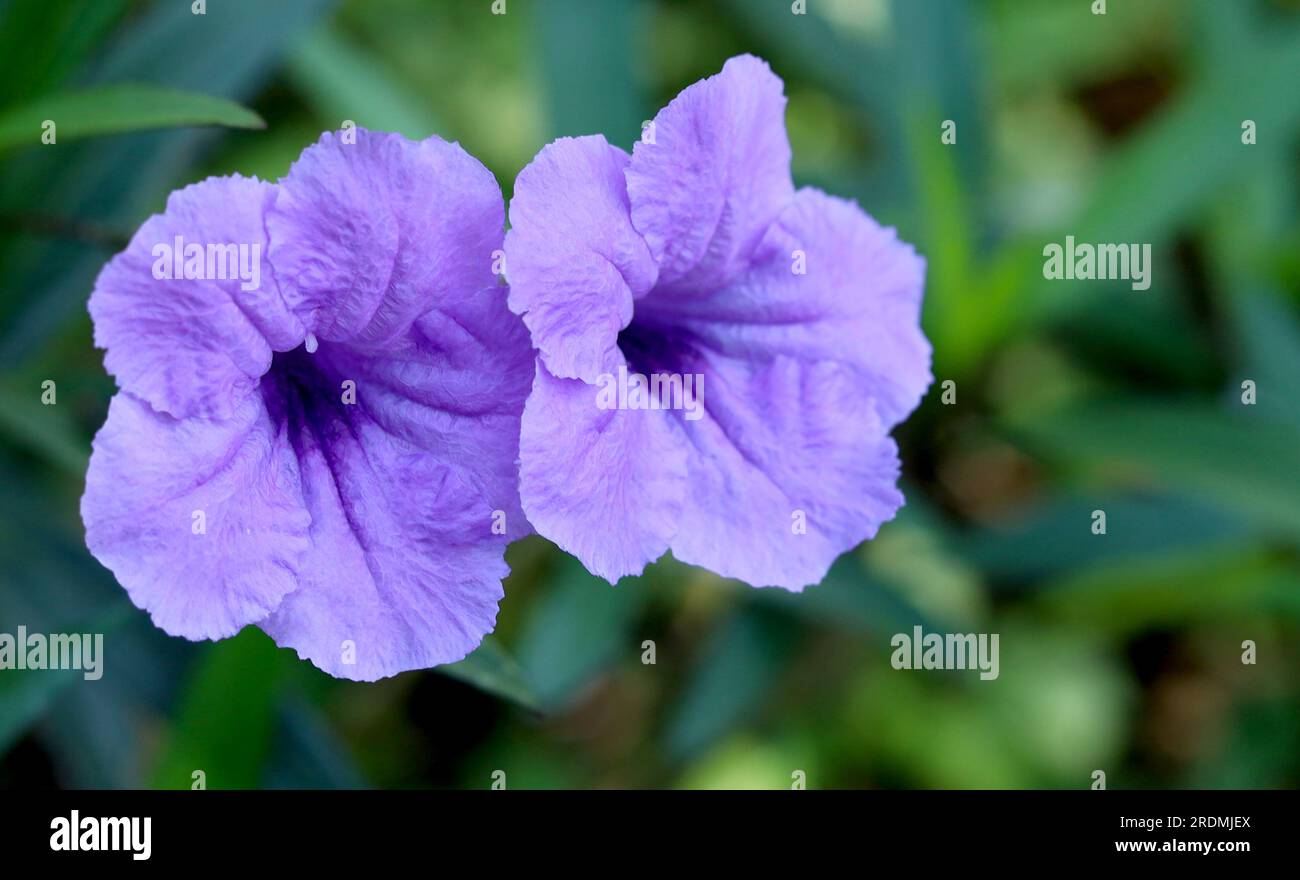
1120	652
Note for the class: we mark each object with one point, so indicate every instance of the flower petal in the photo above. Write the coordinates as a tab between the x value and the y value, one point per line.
195	347
155	480
367	235
454	386
716	174
604	484
574	261
789	468
404	570
827	283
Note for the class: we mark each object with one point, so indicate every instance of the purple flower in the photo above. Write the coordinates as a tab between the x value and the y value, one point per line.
692	279
318	417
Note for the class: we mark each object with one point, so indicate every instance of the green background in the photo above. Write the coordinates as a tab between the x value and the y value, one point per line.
1119	652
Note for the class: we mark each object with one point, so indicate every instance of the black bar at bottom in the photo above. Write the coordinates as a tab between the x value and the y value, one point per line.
298	830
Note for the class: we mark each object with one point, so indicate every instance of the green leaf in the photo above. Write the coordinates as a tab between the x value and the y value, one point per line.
308	753
959	314
116	109
588	72
26	695
1116	333
226	718
849	598
747	654
1260	748
1271	339
1152	182
1056	710
935	50
1177	589
1055	537
824	52
1047	43
343	80
43	430
1244	462
43	43
1223	32
576	631
491	669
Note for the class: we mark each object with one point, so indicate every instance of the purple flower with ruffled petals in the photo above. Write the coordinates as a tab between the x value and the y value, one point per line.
318	417
721	357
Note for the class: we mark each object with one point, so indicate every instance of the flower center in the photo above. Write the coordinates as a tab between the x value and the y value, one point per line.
300	389
650	348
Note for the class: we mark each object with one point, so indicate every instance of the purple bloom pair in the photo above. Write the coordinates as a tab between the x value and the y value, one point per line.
340	452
